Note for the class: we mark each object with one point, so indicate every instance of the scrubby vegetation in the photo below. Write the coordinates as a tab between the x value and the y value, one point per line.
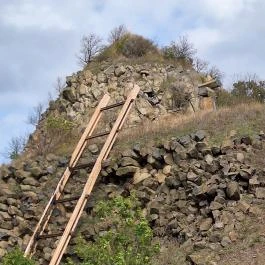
56	132
128	240
181	49
129	46
15	257
247	90
245	119
15	147
122	44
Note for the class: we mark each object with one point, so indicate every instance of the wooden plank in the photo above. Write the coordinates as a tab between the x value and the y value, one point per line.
212	84
50	235
98	135
72	223
58	191
70	199
113	105
89	130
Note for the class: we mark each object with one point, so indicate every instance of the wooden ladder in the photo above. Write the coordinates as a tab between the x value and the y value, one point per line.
92	177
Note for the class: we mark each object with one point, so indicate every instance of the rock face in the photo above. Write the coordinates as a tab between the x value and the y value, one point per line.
164	89
194	199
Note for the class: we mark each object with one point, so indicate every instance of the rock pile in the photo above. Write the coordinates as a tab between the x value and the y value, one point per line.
164	89
190	191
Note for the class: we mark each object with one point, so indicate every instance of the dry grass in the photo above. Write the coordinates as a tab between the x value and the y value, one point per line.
250	247
245	119
97	66
170	254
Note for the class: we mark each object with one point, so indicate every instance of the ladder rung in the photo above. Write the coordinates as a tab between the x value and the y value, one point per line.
50	235
98	135
90	164
113	105
81	166
74	198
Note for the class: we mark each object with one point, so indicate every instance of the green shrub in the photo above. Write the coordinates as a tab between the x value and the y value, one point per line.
15	257
251	89
15	147
57	131
136	46
226	98
127	242
180	97
181	49
128	46
59	124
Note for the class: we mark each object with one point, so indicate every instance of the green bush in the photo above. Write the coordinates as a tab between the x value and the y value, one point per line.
181	49
243	92
127	242
57	131
180	97
128	46
136	46
15	257
251	89
59	124
225	98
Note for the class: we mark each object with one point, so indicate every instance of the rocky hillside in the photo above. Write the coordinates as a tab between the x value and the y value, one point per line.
165	88
197	172
203	201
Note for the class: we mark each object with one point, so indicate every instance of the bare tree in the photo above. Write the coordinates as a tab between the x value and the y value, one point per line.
216	73
36	115
180	49
91	45
59	85
117	33
200	65
15	147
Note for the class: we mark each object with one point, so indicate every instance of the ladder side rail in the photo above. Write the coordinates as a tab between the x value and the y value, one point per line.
47	211
58	191
122	117
116	133
63	243
72	223
89	129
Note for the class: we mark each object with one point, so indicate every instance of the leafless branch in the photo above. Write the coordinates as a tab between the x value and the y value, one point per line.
91	45
117	33
35	117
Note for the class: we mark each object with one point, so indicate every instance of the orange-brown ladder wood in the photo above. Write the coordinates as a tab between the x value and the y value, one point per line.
81	200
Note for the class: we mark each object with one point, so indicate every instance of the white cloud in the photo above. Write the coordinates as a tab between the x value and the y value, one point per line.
29	14
39	40
204	38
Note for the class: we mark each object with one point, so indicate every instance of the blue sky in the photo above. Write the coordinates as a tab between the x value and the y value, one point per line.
39	41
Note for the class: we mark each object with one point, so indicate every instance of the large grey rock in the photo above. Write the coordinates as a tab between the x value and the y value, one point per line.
83	90
126	171
202	257
232	190
93	148
120	70
102	78
260	193
128	161
30	181
21	174
140	176
36	172
206	224
185	140
199	136
69	94
203	91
